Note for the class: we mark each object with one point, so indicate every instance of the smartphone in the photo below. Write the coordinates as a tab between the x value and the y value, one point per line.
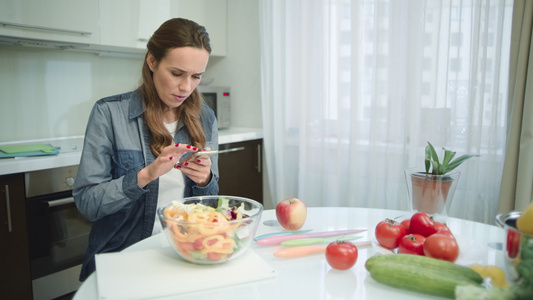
195	155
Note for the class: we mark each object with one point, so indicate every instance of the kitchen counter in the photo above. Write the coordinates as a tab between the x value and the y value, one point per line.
239	134
70	152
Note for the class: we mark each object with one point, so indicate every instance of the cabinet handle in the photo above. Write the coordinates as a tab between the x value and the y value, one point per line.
258	158
143	39
24	26
59	202
231	150
8	206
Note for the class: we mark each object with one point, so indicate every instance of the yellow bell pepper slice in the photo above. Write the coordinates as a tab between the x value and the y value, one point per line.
497	276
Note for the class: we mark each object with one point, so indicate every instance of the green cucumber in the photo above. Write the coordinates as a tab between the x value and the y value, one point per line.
425	262
418	279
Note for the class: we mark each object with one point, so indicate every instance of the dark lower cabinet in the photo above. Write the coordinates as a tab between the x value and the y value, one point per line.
240	168
15	277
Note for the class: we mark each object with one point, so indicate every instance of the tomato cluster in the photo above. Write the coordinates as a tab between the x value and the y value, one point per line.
419	235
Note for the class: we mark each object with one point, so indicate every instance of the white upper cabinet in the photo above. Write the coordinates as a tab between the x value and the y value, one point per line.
70	21
128	24
211	14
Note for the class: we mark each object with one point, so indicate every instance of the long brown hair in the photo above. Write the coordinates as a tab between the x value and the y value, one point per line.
174	33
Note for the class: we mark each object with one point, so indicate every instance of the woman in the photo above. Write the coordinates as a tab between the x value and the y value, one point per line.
134	141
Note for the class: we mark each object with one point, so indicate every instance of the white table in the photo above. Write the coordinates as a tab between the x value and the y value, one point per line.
310	277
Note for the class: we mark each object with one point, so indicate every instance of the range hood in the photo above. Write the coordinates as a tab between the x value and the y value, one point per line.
12	41
94	49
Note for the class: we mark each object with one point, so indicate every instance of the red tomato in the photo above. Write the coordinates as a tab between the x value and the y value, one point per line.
389	233
185	247
214	256
441	226
341	255
422	224
446	232
443	229
441	246
405	224
412	244
513	243
198	244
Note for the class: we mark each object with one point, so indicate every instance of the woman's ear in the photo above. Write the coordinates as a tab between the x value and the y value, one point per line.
150	60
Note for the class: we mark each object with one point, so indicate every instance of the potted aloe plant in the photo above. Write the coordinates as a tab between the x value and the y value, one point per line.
431	191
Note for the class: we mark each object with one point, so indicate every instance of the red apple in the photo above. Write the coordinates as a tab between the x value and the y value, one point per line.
291	214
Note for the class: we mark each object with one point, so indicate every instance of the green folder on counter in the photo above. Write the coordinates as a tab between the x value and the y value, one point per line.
27	150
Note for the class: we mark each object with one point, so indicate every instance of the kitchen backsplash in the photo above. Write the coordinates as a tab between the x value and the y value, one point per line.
47	93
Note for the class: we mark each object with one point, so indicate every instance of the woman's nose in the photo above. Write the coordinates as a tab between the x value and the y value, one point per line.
185	84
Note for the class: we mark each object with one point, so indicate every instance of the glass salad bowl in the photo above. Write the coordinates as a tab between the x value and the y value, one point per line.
210	229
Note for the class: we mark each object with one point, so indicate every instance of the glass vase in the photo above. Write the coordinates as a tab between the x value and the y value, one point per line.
431	194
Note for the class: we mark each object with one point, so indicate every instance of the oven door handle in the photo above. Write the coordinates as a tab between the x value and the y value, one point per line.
59	202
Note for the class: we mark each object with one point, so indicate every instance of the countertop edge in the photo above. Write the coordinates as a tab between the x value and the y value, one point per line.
36	163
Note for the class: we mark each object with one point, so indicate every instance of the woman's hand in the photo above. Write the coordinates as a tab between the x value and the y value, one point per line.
168	158
198	170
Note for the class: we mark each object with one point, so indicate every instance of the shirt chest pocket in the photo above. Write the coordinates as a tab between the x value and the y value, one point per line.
125	161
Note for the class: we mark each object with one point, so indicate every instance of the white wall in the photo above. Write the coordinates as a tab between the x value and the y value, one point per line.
240	69
47	93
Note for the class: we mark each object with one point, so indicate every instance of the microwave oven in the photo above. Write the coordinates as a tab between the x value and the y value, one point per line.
218	99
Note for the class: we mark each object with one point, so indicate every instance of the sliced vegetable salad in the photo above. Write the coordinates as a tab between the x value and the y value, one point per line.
204	233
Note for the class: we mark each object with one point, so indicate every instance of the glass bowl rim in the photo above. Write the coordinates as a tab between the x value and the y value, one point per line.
161	208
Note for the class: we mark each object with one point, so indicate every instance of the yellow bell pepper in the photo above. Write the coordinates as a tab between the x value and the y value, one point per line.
497	276
524	223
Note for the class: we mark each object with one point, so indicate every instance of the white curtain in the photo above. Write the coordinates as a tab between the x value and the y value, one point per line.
353	90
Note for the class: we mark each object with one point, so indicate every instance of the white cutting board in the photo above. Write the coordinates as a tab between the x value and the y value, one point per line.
159	272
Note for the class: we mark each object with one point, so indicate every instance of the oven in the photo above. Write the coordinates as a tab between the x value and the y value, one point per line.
58	235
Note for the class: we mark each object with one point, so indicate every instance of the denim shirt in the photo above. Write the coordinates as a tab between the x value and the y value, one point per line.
106	191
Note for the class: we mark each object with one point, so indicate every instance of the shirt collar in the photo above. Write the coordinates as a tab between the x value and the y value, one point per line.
136	105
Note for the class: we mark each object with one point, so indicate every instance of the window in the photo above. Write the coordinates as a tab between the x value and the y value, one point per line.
361	101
